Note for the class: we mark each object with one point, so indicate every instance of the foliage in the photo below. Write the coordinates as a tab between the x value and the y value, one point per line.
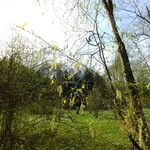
21	86
100	97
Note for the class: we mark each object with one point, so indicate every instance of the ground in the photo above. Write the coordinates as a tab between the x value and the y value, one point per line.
70	132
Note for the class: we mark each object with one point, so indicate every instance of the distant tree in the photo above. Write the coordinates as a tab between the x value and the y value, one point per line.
75	87
141	73
117	73
100	97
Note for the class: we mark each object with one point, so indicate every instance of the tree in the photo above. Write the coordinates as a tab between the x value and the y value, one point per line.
100	97
141	73
117	74
12	96
135	122
75	86
139	123
20	86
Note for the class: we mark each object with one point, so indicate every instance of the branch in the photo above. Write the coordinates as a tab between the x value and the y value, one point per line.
49	45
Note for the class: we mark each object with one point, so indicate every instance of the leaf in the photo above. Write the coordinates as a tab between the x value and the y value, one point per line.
23	25
59	90
76	66
91	132
54	47
148	86
52	82
72	101
83	86
79	90
70	76
54	65
91	122
118	94
64	101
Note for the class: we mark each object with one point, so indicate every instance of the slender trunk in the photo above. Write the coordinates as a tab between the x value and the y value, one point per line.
8	116
138	119
7	136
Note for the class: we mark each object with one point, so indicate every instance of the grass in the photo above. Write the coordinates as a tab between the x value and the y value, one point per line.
97	133
72	132
83	132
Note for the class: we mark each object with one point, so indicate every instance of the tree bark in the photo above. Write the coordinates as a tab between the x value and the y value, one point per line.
138	122
7	136
8	116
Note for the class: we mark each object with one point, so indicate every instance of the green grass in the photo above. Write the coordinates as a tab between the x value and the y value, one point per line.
72	132
97	133
83	132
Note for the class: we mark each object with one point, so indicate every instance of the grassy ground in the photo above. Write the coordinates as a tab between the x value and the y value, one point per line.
99	133
71	132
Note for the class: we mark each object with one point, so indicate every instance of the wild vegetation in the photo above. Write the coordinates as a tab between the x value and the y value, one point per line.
52	99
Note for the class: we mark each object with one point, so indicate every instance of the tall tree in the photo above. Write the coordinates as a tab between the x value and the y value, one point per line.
138	122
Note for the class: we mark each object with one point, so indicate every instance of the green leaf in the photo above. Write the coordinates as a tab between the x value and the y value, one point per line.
59	90
54	65
148	86
70	76
72	101
83	86
54	48
76	66
64	101
79	90
23	25
118	94
52	82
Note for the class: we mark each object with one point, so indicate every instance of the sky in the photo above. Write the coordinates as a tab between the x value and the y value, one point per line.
39	18
44	18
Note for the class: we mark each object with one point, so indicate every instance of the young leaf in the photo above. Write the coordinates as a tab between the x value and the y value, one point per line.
148	86
23	25
76	66
59	90
64	101
118	94
52	82
70	76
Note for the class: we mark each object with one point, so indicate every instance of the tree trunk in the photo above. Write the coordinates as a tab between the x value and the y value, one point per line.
7	136
8	116
138	119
